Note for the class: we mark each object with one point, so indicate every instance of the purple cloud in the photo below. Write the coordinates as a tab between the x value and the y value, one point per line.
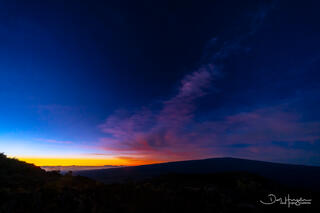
150	132
173	133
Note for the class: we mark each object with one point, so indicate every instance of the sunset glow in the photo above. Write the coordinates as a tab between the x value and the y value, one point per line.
83	162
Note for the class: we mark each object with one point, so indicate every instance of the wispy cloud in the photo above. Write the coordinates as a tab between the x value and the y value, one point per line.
169	134
152	132
220	48
174	132
53	141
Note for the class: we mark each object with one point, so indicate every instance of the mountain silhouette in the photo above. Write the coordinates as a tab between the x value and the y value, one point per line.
212	185
291	175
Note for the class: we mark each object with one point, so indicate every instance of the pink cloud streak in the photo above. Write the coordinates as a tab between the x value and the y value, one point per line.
172	133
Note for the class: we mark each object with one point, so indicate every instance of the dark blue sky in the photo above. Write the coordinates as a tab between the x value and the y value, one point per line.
161	80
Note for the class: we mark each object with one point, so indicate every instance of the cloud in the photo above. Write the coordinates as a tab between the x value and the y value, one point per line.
266	133
53	141
151	132
264	125
173	132
220	48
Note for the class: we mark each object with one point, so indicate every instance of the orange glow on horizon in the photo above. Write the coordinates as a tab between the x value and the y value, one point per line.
84	161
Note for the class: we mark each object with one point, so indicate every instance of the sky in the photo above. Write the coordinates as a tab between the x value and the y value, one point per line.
96	83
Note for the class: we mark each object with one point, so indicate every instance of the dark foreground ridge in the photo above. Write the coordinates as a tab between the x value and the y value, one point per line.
26	188
291	175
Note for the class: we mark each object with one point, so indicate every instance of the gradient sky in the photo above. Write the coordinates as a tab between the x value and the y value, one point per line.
134	82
